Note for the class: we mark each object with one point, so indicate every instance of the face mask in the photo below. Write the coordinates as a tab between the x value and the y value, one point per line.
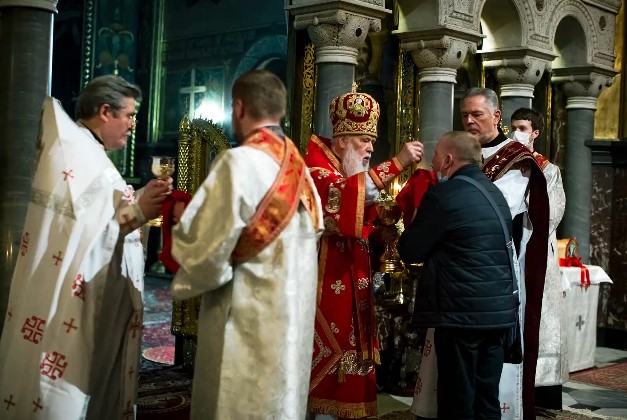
442	178
522	138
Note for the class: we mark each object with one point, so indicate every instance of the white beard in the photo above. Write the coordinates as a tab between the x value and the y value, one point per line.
352	164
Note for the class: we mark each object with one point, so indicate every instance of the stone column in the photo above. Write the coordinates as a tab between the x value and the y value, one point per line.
581	92
337	29
25	71
438	60
517	73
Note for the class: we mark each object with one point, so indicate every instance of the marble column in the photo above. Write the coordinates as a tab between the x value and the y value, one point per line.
513	97
517	72
334	79
337	30
438	57
581	87
25	71
578	185
436	106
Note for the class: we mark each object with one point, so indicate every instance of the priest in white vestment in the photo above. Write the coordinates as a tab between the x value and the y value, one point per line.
511	169
552	369
247	243
70	344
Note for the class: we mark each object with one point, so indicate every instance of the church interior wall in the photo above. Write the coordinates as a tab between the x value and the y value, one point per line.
213	38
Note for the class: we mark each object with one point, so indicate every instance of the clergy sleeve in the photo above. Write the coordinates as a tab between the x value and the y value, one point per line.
385	172
204	239
557	198
417	241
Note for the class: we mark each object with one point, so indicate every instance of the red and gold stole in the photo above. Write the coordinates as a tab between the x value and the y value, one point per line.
541	160
277	207
516	156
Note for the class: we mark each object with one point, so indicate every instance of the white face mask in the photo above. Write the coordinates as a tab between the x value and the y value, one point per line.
522	138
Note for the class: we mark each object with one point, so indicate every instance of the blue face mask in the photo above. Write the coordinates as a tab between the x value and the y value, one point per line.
442	178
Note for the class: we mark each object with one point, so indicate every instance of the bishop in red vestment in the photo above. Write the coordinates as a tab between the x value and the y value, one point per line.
345	347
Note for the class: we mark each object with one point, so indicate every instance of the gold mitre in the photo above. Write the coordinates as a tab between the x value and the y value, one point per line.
354	113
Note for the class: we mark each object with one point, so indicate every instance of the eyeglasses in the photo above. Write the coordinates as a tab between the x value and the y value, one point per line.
127	117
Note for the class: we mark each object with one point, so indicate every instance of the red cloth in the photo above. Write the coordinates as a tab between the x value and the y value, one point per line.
576	262
167	212
410	196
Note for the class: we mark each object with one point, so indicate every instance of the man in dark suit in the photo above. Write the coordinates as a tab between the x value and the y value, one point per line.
466	292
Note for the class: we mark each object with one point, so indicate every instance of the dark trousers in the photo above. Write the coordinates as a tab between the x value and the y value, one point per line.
470	363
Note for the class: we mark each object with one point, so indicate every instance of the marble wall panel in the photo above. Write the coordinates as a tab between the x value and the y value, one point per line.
617	300
600	226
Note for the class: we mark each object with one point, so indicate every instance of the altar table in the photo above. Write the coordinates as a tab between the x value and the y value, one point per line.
580	306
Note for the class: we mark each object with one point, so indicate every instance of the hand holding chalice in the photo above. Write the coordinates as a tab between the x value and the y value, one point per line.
162	168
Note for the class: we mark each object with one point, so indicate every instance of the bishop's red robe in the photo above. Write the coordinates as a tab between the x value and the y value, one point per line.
345	347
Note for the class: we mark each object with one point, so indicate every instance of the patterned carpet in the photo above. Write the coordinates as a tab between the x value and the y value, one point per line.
164	390
611	377
157	341
164	393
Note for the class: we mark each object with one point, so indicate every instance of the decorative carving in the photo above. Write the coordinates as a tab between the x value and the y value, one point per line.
444	51
89	32
602	23
525	70
540	5
337	35
578	82
309	95
200	140
338	28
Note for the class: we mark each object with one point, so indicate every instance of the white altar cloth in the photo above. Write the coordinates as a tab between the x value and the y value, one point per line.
581	305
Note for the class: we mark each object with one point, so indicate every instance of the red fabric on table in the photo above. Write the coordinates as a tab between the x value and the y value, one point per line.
576	262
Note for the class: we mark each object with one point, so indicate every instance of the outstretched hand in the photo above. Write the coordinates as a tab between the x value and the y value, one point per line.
410	153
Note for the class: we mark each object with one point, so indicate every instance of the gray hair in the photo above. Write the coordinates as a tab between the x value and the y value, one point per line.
109	89
464	146
491	100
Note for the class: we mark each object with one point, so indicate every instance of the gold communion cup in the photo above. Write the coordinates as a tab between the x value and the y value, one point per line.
388	214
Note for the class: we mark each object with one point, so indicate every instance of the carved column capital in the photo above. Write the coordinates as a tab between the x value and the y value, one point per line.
49	5
518	66
589	85
440	52
338	28
583	81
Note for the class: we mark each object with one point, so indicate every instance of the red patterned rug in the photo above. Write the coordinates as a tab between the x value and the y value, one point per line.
164	394
160	354
612	377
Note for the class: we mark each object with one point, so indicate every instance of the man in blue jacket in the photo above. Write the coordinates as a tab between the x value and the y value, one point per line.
466	292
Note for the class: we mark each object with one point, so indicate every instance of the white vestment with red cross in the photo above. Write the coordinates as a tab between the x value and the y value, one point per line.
71	339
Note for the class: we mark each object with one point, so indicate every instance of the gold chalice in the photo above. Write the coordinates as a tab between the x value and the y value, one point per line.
163	168
388	214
